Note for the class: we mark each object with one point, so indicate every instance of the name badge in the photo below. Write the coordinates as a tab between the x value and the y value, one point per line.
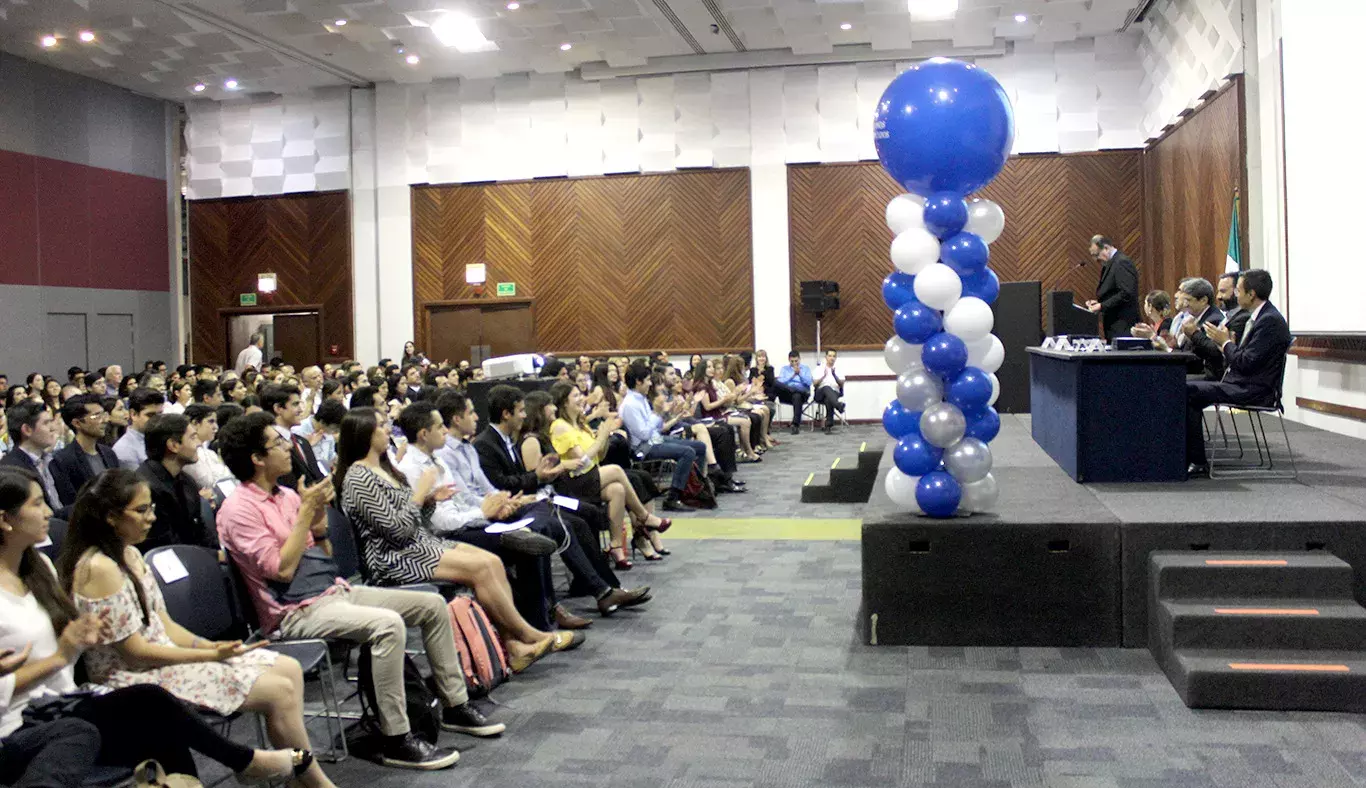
572	504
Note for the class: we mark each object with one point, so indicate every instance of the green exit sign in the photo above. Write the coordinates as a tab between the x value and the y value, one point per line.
507	288
246	299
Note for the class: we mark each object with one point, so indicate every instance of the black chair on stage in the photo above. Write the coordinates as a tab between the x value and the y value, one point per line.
1224	464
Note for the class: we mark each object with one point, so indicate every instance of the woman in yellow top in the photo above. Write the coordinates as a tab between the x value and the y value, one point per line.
573	440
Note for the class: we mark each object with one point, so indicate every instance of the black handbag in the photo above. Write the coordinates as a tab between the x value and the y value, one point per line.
50	708
317	572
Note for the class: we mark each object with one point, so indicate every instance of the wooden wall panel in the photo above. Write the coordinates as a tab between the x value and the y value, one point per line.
1053	205
305	239
1190	175
621	263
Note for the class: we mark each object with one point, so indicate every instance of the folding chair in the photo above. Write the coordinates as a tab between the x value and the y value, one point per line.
205	603
1264	467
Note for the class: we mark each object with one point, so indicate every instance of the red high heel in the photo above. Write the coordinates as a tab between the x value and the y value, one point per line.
618	555
665	524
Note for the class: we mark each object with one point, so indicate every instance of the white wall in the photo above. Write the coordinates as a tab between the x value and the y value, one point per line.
1187	48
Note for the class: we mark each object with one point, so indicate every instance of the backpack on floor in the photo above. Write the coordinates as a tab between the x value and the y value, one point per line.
482	657
423	706
699	492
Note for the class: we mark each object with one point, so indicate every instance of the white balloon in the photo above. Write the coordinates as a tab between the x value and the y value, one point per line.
970	319
914	249
904	212
986	219
900	355
980	496
901	489
938	286
986	353
995	389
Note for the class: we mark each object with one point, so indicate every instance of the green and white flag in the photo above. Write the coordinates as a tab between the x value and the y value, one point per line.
1233	261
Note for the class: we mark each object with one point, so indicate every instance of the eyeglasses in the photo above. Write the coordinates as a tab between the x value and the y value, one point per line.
144	510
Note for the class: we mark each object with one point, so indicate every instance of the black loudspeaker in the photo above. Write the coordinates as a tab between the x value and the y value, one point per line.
1017	325
820	296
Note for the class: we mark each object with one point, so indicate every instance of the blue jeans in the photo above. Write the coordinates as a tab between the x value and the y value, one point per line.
687	454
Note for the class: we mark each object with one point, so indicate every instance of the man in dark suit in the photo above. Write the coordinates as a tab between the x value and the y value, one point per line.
1198	294
84	458
1116	298
1254	366
284	404
500	455
172	444
1235	317
34	434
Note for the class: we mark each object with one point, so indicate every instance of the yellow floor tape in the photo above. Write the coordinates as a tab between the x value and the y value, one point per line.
764	528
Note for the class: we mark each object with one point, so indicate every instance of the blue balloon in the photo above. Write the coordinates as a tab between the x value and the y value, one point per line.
945	214
897	420
938	494
944	354
983	284
966	254
915	322
898	288
914	456
970	390
984	426
943	126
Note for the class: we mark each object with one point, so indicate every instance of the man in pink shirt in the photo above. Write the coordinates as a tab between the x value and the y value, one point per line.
278	538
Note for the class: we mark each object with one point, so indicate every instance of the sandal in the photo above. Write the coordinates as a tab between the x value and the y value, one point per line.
300	762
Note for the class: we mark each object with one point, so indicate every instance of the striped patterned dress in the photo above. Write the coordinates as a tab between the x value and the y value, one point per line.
397	543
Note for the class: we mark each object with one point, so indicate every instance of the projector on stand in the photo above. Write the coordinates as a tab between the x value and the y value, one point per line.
518	366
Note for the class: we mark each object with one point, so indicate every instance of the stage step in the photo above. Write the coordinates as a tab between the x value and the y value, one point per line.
844	481
1258	630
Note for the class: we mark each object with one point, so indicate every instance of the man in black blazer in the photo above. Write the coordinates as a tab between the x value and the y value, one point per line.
1199	299
284	404
84	458
1116	298
173	443
1235	317
1254	366
499	448
34	433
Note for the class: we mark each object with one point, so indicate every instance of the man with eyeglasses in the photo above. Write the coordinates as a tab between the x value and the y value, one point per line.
84	458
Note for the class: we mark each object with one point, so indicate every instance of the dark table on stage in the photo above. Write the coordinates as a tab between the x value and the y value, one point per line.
1113	416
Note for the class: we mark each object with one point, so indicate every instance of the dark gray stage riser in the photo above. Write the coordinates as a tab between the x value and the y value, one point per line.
869	460
1273	582
845	484
1341	629
1275	691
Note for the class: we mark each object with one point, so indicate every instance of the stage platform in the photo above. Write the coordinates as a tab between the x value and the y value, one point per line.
1065	564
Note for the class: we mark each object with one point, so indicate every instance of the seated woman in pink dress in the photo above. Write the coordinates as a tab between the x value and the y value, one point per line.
101	567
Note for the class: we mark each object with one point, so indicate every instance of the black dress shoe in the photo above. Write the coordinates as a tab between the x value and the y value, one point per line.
528	542
673	504
796	428
465	718
409	752
1197	471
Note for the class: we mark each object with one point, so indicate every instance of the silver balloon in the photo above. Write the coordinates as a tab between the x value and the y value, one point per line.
918	390
943	424
985	218
900	355
968	460
980	496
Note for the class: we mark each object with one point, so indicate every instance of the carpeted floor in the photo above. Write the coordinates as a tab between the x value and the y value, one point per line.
745	671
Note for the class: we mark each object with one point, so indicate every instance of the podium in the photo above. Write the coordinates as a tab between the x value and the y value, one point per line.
1016	313
1065	317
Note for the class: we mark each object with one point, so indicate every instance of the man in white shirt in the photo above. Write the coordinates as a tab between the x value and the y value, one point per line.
312	395
829	386
131	449
251	355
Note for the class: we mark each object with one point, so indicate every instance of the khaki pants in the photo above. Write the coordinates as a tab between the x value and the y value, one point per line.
380	617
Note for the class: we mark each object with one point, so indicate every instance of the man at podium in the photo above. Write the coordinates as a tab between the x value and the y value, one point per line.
1117	293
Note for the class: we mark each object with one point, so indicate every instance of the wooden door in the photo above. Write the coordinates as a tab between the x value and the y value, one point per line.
508	329
453	333
296	339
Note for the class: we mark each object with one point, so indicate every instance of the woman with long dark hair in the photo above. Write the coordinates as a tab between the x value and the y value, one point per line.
716	404
120	728
748	400
140	644
117	423
398	545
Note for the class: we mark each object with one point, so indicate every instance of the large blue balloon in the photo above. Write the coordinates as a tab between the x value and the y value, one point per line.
970	390
897	289
915	322
984	426
897	420
945	214
944	354
966	254
983	284
914	456
943	126
938	494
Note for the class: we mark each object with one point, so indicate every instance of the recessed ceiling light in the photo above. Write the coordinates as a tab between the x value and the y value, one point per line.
48	42
87	36
339	23
846	26
199	87
413	60
932	9
513	6
460	31
566	46
230	84
1022	18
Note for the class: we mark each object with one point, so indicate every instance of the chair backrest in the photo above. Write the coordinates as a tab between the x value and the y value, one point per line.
56	534
342	534
240	595
200	602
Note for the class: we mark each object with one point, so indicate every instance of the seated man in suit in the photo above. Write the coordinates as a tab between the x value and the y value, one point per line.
34	433
284	403
1198	294
1235	317
85	457
173	444
1254	366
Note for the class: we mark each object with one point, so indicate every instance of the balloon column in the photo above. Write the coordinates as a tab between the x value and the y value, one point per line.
943	130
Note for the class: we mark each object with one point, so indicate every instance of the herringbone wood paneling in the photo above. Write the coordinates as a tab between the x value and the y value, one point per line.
1190	175
305	239
1053	205
630	262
